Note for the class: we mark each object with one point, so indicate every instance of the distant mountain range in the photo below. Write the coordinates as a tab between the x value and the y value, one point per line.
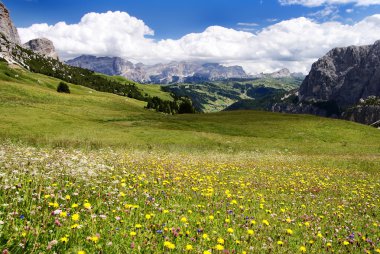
171	73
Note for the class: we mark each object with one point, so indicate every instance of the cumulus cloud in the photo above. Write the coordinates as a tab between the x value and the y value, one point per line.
315	3
294	43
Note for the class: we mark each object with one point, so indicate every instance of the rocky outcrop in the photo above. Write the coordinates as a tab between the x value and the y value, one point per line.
339	83
7	27
174	72
43	47
344	75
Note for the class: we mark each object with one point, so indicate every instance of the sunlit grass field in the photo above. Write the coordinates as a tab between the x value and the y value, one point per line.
91	172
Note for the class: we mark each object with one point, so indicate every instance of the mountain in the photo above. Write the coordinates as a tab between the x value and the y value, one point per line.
7	27
43	47
338	82
173	72
283	73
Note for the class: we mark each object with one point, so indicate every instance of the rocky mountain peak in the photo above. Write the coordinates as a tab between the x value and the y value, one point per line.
43	47
7	27
344	75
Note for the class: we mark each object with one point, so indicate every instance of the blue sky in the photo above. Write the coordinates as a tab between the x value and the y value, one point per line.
260	35
175	18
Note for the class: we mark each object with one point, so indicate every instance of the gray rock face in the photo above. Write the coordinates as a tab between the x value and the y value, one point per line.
43	47
344	75
173	72
7	27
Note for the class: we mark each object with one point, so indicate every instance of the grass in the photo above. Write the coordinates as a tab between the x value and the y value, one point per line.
92	172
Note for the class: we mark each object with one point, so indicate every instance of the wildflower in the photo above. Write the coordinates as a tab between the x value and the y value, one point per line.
189	247
23	234
220	240
303	249
250	232
289	231
94	239
75	217
184	219
64	239
346	243
81	252
280	243
311	241
230	230
307	224
265	222
132	233
169	245
211	217
138	226
319	235
67	197
87	205
74	226
74	205
288	220
206	252
205	236
328	244
227	220
253	222
219	247
63	214
377	250
165	211
148	216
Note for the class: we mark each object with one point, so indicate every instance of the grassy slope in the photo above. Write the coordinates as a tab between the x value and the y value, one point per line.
32	111
151	90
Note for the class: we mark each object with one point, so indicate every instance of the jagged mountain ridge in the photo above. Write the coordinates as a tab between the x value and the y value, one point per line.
173	72
338	83
7	27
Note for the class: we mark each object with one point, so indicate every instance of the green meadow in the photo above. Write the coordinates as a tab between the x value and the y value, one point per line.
92	172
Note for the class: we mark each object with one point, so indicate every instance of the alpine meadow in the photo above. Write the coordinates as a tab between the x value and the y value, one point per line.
225	130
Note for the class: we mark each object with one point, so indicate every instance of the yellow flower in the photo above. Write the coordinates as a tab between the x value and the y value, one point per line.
75	217
328	244
55	205
94	239
289	231
189	247
219	247
303	249
250	232
74	226
67	197
253	222
23	234
165	211
148	216
227	220
205	236
87	205
63	214
206	252
211	217
230	230
132	233
377	250
220	240
169	245
265	222
138	226
288	220
319	235
346	243
64	239
184	219
81	252
311	241
47	196
280	243
74	205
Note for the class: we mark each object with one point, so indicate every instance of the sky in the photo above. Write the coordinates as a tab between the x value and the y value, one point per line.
260	35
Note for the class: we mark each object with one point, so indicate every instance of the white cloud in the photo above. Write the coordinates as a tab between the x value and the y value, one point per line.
294	43
315	3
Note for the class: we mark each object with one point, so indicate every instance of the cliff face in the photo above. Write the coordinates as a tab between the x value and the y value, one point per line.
338	85
43	47
7	27
344	75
